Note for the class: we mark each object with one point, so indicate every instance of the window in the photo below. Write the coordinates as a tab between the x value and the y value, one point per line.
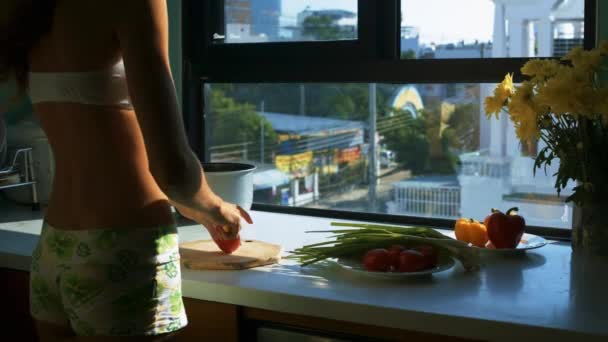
396	135
437	156
265	21
272	30
487	29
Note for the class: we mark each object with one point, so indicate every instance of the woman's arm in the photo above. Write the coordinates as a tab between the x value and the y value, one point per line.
142	29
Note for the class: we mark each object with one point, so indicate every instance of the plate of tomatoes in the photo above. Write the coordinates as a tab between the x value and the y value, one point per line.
500	233
397	262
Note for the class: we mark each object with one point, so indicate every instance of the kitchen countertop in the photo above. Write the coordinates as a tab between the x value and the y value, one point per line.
547	293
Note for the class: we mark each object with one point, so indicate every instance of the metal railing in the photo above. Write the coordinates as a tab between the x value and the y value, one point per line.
436	201
480	164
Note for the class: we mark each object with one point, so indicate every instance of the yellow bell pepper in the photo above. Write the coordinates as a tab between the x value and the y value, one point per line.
469	230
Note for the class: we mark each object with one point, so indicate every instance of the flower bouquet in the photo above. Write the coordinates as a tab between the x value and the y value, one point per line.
564	105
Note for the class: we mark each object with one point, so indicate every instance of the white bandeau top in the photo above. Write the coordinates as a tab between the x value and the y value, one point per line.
99	87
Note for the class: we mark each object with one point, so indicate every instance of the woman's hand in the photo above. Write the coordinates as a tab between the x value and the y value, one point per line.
225	221
222	219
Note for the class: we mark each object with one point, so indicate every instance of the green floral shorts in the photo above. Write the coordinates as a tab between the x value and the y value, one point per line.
108	282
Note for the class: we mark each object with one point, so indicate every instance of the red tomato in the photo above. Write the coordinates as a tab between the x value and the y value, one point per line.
412	261
377	260
430	253
228	246
394	252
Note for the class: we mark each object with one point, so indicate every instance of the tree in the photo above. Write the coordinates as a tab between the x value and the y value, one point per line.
233	122
409	141
348	101
277	97
323	27
462	133
418	143
409	54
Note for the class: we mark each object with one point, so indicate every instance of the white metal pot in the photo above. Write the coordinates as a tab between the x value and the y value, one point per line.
233	182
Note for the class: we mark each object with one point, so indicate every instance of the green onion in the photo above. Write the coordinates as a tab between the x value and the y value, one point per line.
355	242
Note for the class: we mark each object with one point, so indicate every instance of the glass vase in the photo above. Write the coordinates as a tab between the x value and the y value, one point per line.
590	229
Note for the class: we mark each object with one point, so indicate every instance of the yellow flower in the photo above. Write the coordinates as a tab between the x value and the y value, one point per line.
505	88
574	54
603	47
554	89
532	67
524	112
493	105
541	69
568	92
586	61
523	94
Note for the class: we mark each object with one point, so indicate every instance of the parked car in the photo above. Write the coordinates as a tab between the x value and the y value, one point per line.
387	157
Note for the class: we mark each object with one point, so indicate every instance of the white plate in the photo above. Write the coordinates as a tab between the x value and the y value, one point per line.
528	241
445	263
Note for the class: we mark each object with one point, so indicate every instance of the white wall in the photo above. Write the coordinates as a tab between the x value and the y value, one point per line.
512	39
479	194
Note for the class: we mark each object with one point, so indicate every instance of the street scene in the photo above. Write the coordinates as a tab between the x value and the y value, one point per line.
405	149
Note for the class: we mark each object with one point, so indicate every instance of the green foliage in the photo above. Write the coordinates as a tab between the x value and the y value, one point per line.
348	101
277	97
419	144
409	54
350	175
452	135
233	122
410	142
462	133
323	27
580	146
413	139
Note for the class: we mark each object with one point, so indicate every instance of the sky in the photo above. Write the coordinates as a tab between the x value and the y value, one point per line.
467	20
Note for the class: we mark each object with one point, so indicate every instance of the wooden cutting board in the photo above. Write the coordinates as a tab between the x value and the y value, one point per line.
205	255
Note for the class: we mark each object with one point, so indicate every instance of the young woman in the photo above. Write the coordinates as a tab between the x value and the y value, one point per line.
97	72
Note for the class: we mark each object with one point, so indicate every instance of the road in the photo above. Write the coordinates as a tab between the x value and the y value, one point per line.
358	198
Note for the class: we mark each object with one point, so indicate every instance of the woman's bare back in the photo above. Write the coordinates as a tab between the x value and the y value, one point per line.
102	177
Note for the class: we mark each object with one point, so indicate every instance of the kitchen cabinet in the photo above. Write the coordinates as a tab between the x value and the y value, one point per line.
212	321
15	318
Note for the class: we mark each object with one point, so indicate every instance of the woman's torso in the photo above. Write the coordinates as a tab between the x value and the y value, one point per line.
102	178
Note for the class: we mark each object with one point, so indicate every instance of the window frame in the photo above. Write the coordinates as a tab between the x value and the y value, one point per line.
369	61
373	41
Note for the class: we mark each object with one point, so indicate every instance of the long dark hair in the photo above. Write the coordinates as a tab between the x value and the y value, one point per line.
28	22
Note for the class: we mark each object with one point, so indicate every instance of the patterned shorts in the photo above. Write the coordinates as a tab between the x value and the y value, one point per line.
108	282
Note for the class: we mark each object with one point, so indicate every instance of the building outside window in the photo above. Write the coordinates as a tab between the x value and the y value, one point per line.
409	143
321	145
